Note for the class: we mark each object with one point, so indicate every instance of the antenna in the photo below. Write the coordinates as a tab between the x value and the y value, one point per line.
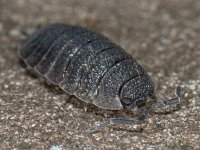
172	101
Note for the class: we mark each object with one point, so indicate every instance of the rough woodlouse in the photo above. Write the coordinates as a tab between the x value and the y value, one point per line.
88	65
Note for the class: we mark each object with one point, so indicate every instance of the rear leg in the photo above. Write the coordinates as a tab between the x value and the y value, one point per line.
25	33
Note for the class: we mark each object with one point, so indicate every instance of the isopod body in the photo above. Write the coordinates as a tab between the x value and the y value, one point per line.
88	65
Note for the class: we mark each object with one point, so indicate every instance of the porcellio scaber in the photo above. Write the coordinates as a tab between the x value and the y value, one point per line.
91	67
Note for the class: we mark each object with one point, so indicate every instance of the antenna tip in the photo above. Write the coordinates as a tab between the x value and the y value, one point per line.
178	91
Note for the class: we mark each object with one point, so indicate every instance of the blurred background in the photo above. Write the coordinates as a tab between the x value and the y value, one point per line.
164	36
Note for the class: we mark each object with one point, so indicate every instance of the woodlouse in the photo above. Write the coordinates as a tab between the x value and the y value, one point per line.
91	67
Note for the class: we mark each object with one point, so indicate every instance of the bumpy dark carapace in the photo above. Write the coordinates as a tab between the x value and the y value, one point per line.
88	65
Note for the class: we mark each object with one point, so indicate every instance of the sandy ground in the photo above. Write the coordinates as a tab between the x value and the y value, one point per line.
164	36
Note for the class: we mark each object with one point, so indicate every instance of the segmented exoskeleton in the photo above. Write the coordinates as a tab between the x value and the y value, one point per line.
91	67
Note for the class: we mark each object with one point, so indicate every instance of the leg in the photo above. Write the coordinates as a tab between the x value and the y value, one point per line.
25	34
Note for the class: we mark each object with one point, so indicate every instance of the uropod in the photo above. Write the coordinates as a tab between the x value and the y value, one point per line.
91	67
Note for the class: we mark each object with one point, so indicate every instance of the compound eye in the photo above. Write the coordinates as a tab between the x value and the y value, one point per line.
127	101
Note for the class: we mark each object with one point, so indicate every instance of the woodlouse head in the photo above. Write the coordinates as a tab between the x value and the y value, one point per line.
136	92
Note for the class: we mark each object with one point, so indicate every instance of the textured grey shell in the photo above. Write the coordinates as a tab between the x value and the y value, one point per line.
85	64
